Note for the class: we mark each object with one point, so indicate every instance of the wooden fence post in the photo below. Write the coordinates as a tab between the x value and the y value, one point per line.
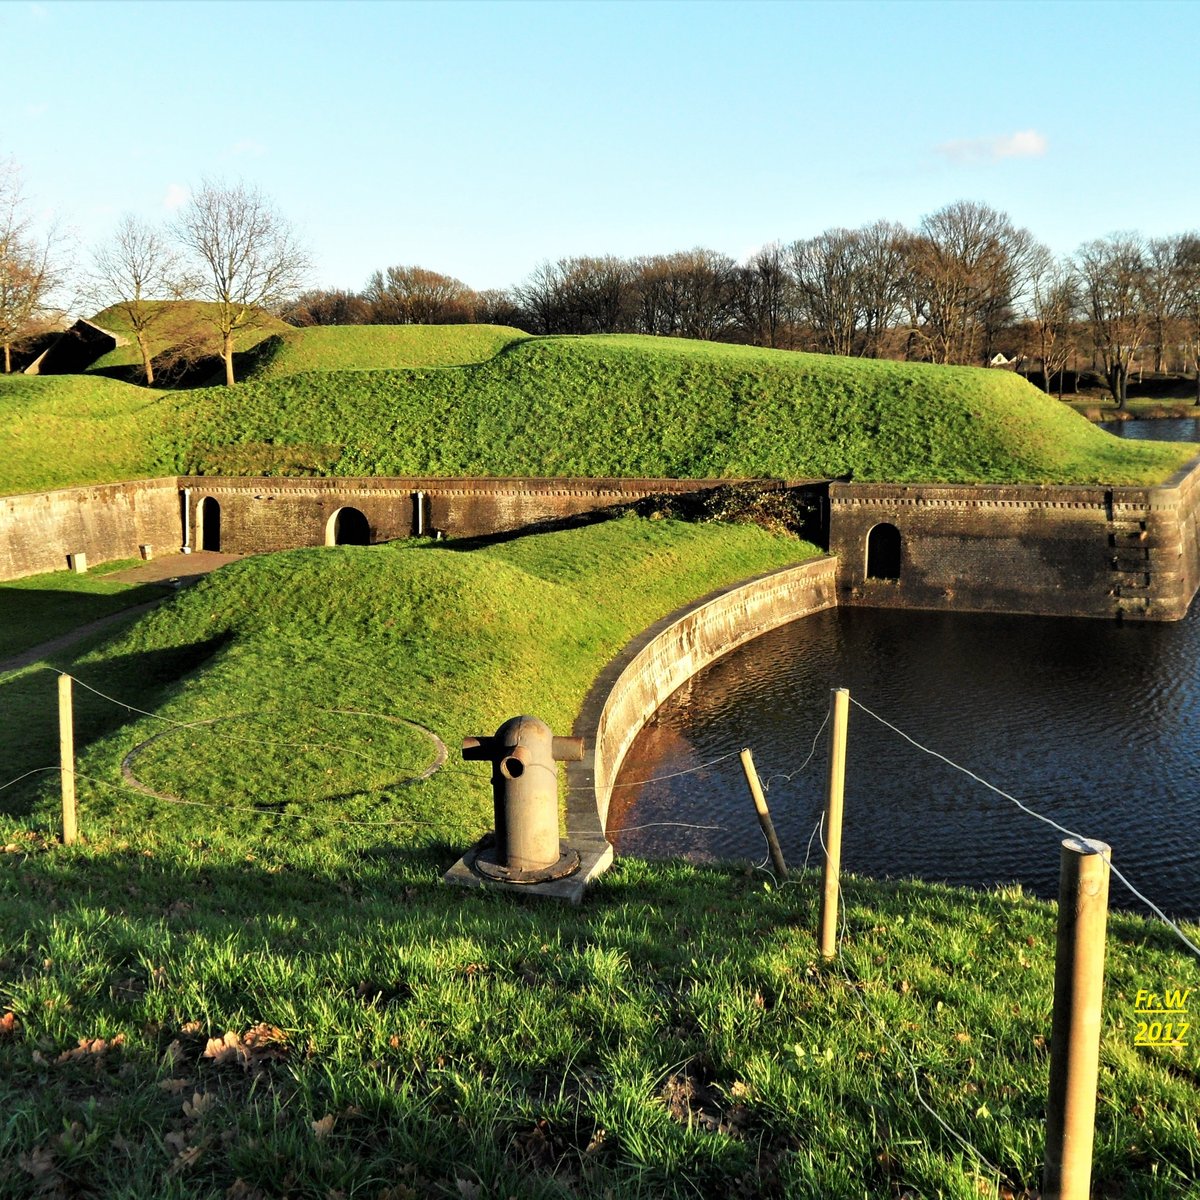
1075	1028
839	711
764	815
66	758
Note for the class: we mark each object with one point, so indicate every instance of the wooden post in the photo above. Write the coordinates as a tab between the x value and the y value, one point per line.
839	711
66	758
1075	1028
764	816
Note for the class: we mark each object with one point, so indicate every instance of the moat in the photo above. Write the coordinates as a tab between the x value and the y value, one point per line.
1094	724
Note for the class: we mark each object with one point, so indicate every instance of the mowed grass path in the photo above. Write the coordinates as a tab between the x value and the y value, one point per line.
565	406
268	993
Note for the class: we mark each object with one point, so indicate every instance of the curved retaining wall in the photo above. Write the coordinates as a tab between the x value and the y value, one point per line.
661	659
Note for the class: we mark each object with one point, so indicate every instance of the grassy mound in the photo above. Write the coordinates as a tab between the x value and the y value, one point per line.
646	406
584	406
183	328
62	430
379	347
264	989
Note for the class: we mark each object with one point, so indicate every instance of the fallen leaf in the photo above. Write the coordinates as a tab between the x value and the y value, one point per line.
39	1162
467	1190
198	1105
9	1025
324	1127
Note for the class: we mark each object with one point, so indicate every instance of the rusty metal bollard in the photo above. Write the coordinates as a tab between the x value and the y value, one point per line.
523	753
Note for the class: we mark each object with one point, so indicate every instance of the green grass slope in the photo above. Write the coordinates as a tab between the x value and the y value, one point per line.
380	1034
571	406
376	347
647	406
62	430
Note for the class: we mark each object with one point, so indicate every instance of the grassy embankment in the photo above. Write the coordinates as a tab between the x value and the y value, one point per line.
384	1036
571	406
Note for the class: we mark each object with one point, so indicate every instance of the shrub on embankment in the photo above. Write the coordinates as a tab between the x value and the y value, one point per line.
619	405
263	997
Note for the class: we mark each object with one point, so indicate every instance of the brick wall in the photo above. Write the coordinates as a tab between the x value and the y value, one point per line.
1056	551
277	514
105	522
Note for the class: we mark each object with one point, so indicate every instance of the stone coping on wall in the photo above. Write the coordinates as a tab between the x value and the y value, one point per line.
661	659
1156	497
385	485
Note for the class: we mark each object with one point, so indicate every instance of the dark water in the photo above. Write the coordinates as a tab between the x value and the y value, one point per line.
1164	429
1092	723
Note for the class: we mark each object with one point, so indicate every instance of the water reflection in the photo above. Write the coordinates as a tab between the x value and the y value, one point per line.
1095	724
1159	429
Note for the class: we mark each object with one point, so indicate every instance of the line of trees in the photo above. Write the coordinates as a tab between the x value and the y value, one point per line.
962	287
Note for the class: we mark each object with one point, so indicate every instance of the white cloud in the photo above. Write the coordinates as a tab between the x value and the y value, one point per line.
38	109
1026	143
39	12
249	147
177	196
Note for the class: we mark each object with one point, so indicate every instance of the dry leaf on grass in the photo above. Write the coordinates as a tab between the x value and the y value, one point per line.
250	1050
324	1127
90	1049
198	1105
9	1025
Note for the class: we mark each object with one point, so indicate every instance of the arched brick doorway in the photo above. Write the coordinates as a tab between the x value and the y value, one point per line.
348	527
884	552
210	524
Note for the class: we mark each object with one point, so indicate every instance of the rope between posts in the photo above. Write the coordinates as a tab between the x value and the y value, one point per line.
1096	848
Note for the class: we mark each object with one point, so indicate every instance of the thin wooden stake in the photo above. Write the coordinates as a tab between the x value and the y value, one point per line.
839	711
764	815
66	758
1075	1028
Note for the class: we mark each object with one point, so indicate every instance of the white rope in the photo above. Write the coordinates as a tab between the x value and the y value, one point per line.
1095	847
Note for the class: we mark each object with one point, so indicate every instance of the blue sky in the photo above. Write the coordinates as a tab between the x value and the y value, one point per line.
481	138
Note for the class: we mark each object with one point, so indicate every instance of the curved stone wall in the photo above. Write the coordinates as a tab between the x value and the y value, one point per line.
661	659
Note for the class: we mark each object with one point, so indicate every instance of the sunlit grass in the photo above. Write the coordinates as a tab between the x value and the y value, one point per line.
382	1035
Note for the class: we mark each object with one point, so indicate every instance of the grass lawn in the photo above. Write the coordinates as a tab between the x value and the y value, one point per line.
265	991
554	406
40	607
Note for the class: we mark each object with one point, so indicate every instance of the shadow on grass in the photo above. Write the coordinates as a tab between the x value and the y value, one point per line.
29	699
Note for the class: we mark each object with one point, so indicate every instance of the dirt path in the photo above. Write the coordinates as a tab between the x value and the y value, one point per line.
181	569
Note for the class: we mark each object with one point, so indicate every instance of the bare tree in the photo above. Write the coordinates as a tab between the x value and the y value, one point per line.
1189	297
1112	274
1053	303
411	295
969	263
883	266
761	294
1162	291
28	272
825	271
248	257
137	272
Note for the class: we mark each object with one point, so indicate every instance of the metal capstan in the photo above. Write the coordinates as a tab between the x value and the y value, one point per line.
526	847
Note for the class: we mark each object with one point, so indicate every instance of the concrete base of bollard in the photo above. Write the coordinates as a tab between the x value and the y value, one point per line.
595	857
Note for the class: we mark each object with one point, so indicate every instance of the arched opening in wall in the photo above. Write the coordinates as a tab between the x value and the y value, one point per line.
210	524
348	527
883	552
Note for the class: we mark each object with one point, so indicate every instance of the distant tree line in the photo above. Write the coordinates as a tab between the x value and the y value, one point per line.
965	286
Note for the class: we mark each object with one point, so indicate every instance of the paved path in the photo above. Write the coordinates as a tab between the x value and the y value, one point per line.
182	569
